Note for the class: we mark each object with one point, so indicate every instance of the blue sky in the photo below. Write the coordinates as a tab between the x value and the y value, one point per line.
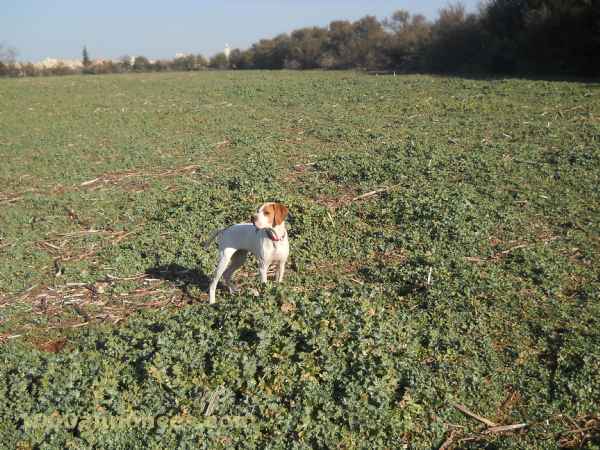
159	29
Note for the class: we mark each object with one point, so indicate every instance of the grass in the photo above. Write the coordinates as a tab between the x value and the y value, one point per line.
469	278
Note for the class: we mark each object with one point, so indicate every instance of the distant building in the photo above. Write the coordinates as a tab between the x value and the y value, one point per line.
227	51
51	63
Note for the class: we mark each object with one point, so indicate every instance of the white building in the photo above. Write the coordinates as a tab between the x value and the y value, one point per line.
50	63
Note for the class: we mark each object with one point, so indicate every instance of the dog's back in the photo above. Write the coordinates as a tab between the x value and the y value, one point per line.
241	236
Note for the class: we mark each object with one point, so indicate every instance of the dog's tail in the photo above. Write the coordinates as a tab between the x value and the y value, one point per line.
212	238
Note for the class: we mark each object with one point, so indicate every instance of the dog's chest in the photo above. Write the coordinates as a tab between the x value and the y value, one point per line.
274	250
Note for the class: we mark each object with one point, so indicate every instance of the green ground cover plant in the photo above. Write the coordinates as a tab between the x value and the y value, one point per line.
444	258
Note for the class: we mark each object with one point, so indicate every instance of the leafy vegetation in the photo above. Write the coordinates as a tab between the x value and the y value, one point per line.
444	237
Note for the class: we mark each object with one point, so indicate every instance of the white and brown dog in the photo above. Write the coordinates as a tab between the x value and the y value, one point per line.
266	238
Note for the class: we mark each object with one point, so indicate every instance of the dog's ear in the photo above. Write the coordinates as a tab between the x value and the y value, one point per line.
281	212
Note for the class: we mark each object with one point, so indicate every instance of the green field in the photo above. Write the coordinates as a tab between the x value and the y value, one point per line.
469	274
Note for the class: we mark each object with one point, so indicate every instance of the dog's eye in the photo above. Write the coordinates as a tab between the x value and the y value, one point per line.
267	213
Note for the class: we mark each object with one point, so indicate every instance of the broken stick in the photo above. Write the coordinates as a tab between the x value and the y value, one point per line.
466	411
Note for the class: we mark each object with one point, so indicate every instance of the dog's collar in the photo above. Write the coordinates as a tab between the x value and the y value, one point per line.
273	236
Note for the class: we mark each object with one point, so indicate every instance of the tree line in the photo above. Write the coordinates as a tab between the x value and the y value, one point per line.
536	37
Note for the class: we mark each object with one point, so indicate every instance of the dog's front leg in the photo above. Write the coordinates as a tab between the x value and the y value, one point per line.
281	271
263	268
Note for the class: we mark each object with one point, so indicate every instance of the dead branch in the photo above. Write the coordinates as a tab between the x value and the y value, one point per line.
449	441
87	183
504	428
135	277
524	161
506	252
470	413
375	192
498	255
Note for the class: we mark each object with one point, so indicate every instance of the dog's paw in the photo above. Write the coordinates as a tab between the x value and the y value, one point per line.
254	292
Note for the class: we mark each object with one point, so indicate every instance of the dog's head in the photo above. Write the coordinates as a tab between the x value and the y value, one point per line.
270	215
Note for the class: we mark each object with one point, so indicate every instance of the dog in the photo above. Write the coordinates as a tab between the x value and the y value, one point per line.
265	237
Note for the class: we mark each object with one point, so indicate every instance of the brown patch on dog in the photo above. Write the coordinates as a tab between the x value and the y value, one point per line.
280	212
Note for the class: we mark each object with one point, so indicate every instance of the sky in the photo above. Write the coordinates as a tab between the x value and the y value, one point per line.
38	29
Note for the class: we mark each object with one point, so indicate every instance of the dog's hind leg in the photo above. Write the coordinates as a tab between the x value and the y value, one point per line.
237	260
224	258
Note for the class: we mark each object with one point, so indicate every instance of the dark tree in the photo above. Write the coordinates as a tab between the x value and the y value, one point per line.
141	64
219	61
86	58
87	63
408	40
